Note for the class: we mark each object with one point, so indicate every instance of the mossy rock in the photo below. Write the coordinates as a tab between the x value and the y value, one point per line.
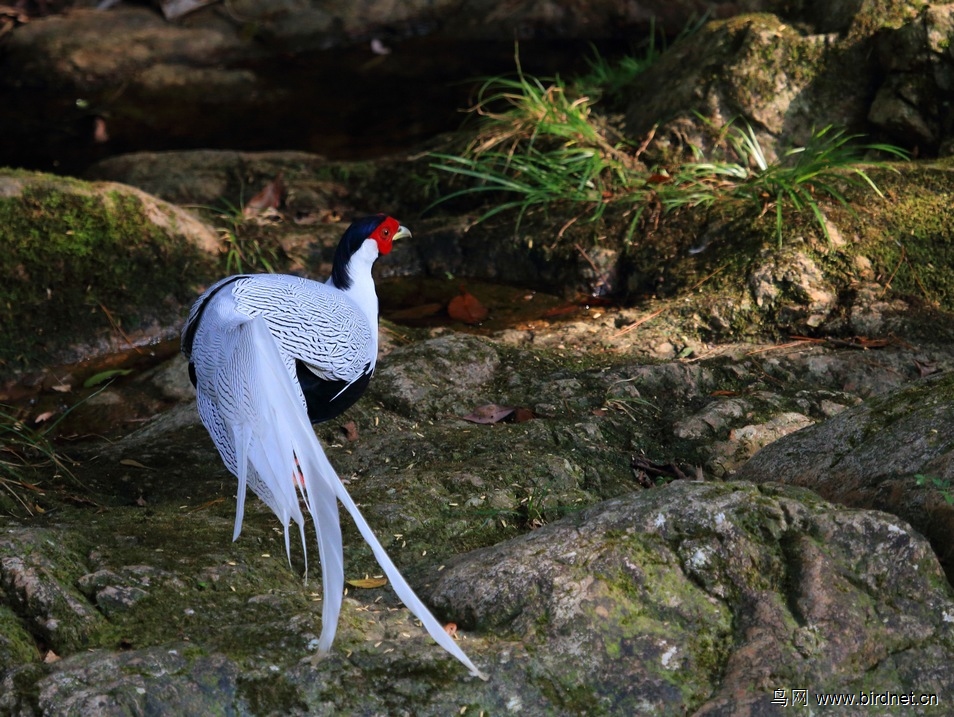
787	79
85	263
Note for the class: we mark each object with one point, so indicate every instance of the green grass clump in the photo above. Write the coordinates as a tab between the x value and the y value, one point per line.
245	252
246	249
609	79
539	141
829	163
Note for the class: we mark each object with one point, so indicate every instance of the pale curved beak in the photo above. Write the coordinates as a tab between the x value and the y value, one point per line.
402	233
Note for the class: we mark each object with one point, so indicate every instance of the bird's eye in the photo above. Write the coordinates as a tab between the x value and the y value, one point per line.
386	232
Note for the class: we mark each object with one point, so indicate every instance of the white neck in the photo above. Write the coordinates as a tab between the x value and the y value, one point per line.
362	290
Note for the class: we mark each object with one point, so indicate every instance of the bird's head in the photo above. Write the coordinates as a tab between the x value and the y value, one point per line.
378	228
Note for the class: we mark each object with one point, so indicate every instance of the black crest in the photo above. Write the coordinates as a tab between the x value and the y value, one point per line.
352	240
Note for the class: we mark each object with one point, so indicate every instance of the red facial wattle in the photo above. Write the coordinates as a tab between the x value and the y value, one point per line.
385	233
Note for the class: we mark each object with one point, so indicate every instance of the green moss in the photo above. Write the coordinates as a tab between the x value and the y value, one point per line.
271	695
761	63
229	605
912	241
875	15
17	646
74	259
641	608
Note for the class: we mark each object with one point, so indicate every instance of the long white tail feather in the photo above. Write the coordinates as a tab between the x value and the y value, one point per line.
242	475
286	436
274	443
403	590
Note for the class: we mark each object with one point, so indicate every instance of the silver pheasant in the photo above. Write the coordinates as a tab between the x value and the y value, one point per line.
270	354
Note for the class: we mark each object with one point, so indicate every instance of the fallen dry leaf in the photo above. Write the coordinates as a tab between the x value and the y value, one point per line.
467	308
132	463
350	430
489	413
451	629
100	133
269	198
493	413
379	48
925	368
368	583
560	311
45	416
522	415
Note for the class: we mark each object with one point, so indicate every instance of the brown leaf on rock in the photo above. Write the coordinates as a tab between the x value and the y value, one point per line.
489	413
925	368
368	583
493	413
522	415
351	431
270	197
467	308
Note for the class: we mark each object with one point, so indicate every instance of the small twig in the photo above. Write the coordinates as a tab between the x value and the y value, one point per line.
401	337
638	323
587	257
914	273
122	333
6	485
859	342
645	143
864	345
887	284
704	279
791	344
206	505
567	226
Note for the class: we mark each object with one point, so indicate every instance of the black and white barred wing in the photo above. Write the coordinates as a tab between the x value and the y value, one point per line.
312	323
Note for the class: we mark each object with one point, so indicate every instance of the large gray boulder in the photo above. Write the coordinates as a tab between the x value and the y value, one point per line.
894	452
